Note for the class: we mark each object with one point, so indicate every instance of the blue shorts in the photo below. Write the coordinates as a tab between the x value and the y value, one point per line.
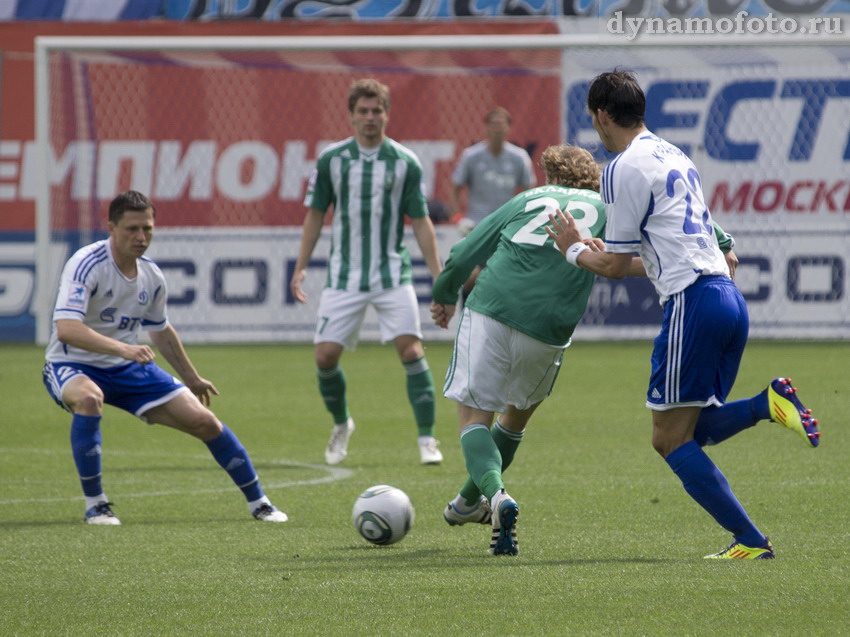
132	387
696	356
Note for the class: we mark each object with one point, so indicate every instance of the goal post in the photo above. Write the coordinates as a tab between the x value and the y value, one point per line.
222	132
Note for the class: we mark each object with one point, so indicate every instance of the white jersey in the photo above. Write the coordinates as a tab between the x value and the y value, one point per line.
655	206
492	179
93	290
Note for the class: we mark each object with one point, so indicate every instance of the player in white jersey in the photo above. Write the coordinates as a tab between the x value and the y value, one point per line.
655	206
109	291
373	183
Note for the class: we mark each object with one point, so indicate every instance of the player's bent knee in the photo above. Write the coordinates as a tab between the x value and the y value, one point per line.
327	355
661	445
88	403
205	426
326	362
411	351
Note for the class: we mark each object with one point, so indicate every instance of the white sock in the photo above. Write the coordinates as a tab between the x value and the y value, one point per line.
95	500
459	504
256	504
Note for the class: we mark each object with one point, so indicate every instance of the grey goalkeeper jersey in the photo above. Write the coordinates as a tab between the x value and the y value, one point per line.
492	180
527	283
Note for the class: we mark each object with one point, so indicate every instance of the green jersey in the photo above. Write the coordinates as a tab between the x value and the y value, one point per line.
370	197
527	283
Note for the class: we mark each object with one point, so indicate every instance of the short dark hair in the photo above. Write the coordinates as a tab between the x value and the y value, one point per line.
130	200
618	93
368	88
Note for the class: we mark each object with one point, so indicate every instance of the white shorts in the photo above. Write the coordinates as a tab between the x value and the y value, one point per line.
494	365
341	314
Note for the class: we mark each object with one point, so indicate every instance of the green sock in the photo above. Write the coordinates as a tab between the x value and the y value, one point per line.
483	460
420	393
507	442
332	389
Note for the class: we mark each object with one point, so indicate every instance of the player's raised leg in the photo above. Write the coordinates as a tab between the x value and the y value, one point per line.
786	409
778	403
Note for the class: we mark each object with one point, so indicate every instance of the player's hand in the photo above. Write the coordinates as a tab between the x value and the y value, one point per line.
442	314
295	286
141	354
563	230
595	245
732	262
203	389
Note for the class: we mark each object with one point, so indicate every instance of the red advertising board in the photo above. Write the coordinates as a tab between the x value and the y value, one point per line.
251	114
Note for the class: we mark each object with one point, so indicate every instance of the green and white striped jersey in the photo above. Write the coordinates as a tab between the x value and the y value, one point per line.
370	196
527	283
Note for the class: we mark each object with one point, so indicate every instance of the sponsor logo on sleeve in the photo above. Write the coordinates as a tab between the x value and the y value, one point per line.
77	297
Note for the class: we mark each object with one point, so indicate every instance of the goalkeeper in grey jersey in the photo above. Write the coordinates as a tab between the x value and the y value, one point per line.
514	328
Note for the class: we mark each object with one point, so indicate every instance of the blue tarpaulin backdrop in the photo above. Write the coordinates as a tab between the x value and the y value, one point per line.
111	10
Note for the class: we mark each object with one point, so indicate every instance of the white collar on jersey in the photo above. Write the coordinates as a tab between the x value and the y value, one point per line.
368	153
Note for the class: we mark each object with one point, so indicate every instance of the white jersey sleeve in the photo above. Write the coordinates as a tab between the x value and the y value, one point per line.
94	291
655	205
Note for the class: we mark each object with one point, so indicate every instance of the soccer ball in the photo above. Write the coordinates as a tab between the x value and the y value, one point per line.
383	514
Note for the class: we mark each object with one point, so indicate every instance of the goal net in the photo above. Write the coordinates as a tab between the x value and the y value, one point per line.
222	134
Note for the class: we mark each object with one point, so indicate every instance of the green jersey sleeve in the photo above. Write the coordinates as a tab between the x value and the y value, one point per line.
726	240
469	252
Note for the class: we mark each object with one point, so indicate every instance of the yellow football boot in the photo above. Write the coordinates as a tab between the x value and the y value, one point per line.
788	411
737	551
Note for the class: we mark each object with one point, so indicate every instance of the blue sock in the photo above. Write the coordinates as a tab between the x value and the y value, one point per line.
231	455
716	424
85	445
708	486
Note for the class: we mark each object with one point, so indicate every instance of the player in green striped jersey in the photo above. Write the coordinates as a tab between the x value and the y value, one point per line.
373	183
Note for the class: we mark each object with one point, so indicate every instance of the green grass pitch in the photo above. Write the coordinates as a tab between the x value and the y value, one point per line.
610	544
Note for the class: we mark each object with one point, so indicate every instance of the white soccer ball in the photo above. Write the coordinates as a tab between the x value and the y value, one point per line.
383	514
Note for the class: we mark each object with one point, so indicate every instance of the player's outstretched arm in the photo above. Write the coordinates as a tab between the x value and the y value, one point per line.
310	234
78	334
171	347
571	244
635	269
